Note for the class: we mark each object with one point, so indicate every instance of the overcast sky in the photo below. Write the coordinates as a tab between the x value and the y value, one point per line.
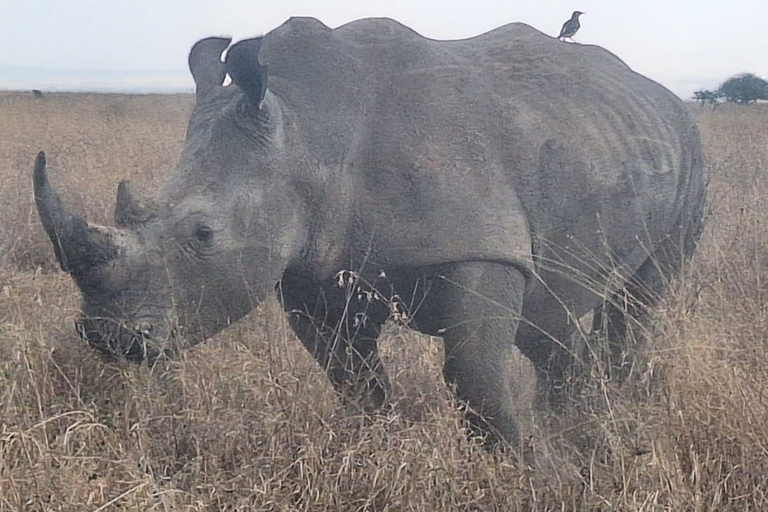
685	45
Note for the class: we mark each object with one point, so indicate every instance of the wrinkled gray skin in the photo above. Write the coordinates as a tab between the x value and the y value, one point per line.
502	182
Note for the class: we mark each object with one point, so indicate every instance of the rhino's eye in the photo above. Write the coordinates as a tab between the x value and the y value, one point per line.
204	233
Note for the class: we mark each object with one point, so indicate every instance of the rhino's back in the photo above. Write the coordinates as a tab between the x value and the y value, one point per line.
367	61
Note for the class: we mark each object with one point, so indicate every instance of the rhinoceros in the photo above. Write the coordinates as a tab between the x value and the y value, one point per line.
491	188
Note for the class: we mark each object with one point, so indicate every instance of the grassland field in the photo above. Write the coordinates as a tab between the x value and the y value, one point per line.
247	421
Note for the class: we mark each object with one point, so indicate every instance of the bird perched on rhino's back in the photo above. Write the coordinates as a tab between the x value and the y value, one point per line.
571	26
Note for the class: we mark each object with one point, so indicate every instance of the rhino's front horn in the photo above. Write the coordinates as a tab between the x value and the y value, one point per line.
79	247
131	211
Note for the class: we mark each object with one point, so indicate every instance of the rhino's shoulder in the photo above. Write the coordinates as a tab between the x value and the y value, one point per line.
359	37
308	54
361	32
302	26
377	31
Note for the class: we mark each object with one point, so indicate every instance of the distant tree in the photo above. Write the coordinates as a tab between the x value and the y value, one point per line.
744	89
704	96
37	93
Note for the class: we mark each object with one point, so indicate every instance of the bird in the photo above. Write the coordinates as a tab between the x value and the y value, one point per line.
571	26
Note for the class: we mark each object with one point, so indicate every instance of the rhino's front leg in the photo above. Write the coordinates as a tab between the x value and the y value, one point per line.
341	334
482	304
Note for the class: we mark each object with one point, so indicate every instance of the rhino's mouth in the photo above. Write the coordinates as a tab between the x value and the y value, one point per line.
115	340
92	254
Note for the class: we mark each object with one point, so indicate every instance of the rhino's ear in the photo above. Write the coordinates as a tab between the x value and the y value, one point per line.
247	73
205	63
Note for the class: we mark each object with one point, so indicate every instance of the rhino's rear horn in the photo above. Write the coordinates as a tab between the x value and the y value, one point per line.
79	247
131	211
247	72
205	63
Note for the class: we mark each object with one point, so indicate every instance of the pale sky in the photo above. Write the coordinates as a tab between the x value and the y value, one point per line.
683	45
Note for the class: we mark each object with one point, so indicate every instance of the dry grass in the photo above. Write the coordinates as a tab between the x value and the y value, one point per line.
248	422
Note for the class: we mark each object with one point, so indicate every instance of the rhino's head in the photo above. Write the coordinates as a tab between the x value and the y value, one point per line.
211	244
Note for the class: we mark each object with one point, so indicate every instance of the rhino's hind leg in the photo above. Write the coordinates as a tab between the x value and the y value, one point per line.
341	334
481	305
622	319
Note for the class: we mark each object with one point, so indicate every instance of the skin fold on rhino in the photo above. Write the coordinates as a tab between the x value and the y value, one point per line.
489	189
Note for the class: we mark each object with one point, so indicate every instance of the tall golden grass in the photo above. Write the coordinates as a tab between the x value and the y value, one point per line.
247	420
